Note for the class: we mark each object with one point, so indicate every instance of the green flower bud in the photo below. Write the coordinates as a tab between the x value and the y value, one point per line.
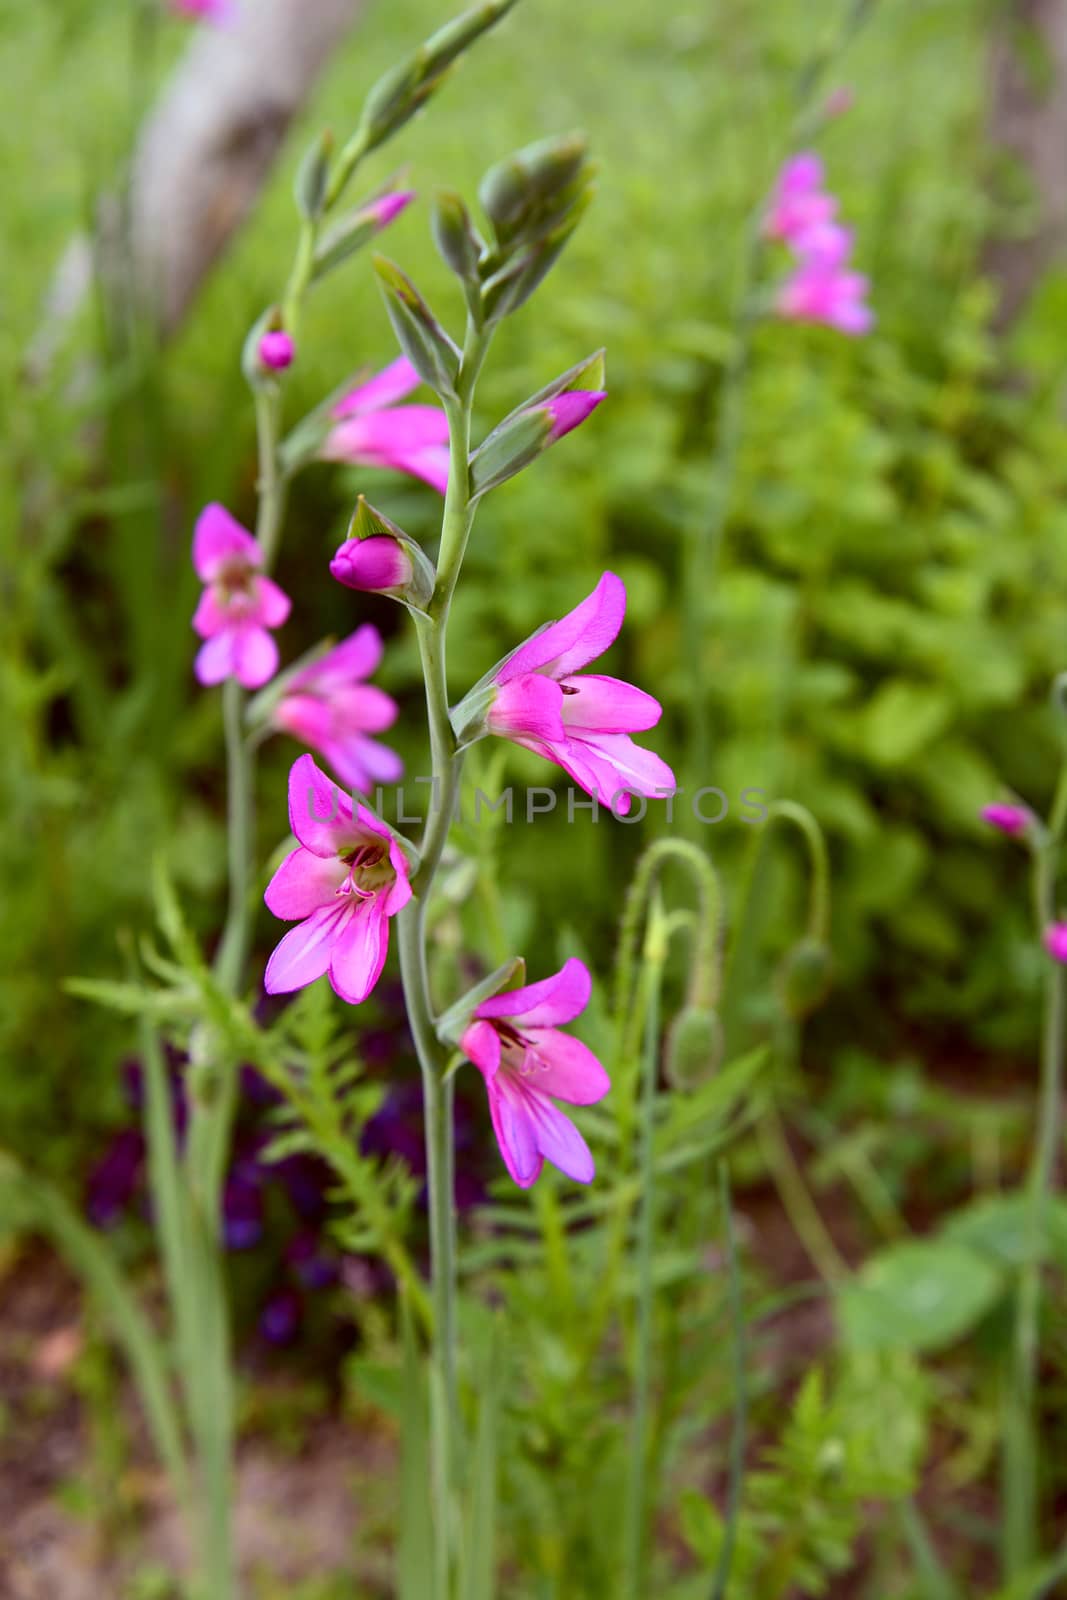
695	1047
805	978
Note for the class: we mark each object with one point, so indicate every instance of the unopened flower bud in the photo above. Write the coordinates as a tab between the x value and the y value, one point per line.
1006	818
372	565
1055	940
276	350
380	558
694	1047
806	975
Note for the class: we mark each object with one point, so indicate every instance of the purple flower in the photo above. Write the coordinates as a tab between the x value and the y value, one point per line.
280	1320
242	1209
515	1042
115	1179
1055	940
311	1262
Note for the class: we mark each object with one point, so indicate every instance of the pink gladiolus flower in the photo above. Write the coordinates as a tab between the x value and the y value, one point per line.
818	292
330	707
276	350
1008	819
581	722
372	430
346	878
237	606
515	1042
799	201
1056	941
372	565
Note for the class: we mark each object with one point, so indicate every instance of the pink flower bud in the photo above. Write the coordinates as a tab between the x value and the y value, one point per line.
1055	940
276	350
388	207
570	409
1006	818
372	564
839	100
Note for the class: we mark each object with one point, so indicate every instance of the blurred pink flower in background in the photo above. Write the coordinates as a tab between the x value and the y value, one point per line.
372	430
343	882
238	604
515	1041
1055	938
205	10
799	201
582	722
821	288
330	707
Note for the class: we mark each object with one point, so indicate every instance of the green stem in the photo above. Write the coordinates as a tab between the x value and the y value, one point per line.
740	1433
640	1495
446	769
1020	1444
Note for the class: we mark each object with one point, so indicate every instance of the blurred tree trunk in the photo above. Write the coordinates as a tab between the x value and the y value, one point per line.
1028	122
208	147
201	159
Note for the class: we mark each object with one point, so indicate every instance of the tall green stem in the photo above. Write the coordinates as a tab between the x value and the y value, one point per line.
446	769
1020	1442
640	1496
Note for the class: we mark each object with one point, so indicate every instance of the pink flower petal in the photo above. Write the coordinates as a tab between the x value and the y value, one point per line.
400	893
635	768
365	708
359	951
209	618
515	1131
215	658
218	539
558	1140
361	763
384	389
319	813
481	1044
607	705
546	1003
528	707
272	604
304	954
565	1067
576	639
255	657
303	883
